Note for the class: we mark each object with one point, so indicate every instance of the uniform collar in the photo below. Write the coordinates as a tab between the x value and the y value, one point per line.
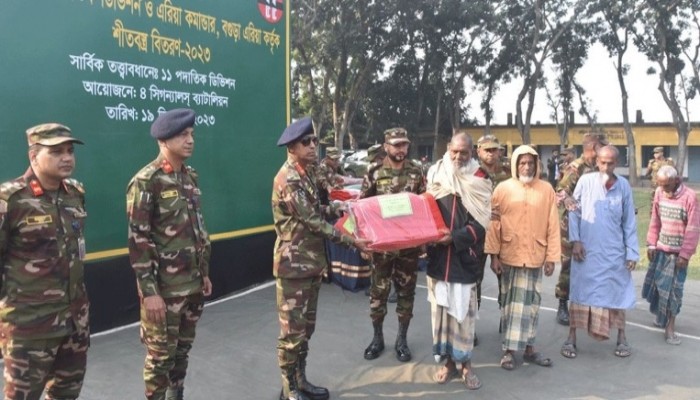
34	184
163	163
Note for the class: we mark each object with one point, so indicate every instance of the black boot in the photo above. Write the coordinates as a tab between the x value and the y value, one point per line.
175	393
312	391
403	353
377	346
563	312
290	381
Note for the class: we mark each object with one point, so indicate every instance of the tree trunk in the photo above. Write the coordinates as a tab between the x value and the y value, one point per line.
631	145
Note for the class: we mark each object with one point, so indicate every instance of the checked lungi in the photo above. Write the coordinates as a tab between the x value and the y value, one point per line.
520	296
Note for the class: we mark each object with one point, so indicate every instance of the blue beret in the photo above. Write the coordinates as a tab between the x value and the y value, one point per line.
296	130
171	123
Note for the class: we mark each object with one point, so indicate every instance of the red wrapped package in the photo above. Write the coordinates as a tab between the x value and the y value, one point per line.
344	194
394	221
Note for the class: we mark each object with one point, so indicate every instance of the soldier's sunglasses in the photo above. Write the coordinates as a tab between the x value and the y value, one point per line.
306	141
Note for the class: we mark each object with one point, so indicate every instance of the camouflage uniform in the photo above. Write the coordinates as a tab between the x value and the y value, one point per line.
44	306
400	266
327	179
169	250
653	169
567	184
299	261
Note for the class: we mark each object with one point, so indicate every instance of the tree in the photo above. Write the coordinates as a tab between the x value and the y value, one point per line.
616	20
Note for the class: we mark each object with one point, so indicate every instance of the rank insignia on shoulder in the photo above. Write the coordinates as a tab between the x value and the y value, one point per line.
38	220
168	194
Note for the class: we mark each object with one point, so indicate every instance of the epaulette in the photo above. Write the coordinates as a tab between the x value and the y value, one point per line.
373	167
414	163
146	173
9	188
75	184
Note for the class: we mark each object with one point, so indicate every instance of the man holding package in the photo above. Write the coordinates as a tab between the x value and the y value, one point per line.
394	174
462	190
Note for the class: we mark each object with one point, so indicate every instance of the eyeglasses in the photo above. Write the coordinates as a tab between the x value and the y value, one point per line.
306	141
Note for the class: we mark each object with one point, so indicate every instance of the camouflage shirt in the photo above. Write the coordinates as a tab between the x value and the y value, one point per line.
42	248
496	177
169	245
382	179
654	166
300	250
572	173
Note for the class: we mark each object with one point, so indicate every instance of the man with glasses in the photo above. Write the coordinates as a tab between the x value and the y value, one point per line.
300	256
395	174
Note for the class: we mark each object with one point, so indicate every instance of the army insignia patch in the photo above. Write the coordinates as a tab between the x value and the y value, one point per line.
168	194
38	220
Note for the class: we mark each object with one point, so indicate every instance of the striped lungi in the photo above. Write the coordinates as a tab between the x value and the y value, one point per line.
663	286
520	296
450	337
597	321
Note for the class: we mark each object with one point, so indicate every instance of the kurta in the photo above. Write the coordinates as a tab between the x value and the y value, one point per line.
606	225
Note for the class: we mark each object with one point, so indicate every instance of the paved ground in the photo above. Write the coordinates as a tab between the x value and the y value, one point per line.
234	355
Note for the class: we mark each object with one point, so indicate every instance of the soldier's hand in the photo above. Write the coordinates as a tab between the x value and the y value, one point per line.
206	290
651	253
361	244
155	308
631	265
496	264
548	268
578	252
570	204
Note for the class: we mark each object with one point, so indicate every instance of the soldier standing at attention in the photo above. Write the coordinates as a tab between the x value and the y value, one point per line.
565	190
394	174
653	168
169	250
300	256
44	329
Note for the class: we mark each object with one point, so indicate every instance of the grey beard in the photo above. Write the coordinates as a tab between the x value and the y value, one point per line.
604	177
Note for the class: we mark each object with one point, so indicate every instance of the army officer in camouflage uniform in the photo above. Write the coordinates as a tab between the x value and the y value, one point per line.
44	329
300	256
169	250
395	174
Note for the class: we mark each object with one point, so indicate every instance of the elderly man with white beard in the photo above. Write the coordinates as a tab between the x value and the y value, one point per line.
603	231
522	238
463	193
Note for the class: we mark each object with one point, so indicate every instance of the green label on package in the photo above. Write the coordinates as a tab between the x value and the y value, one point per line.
349	224
397	205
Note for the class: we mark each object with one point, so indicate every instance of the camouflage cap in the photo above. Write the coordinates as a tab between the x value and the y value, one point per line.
658	149
488	142
333	152
50	134
594	137
373	151
396	136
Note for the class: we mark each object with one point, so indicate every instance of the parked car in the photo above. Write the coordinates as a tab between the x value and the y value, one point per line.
355	164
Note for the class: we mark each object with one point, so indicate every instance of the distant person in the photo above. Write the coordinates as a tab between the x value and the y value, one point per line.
565	189
395	174
654	165
522	238
553	168
375	154
169	251
463	193
672	240
568	155
299	257
44	307
603	231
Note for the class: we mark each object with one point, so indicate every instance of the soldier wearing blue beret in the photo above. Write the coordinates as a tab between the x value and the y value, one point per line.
44	322
300	256
169	250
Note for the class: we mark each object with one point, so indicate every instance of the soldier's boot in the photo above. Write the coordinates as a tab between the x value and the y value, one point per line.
291	387
310	390
563	312
403	353
376	347
175	393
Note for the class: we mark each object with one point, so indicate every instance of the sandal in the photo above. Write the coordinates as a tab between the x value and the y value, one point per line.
673	340
470	380
623	350
538	358
568	350
507	362
445	374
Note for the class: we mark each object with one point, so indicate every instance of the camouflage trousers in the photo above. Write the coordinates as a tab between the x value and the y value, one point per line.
297	301
168	344
401	269
56	364
561	290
